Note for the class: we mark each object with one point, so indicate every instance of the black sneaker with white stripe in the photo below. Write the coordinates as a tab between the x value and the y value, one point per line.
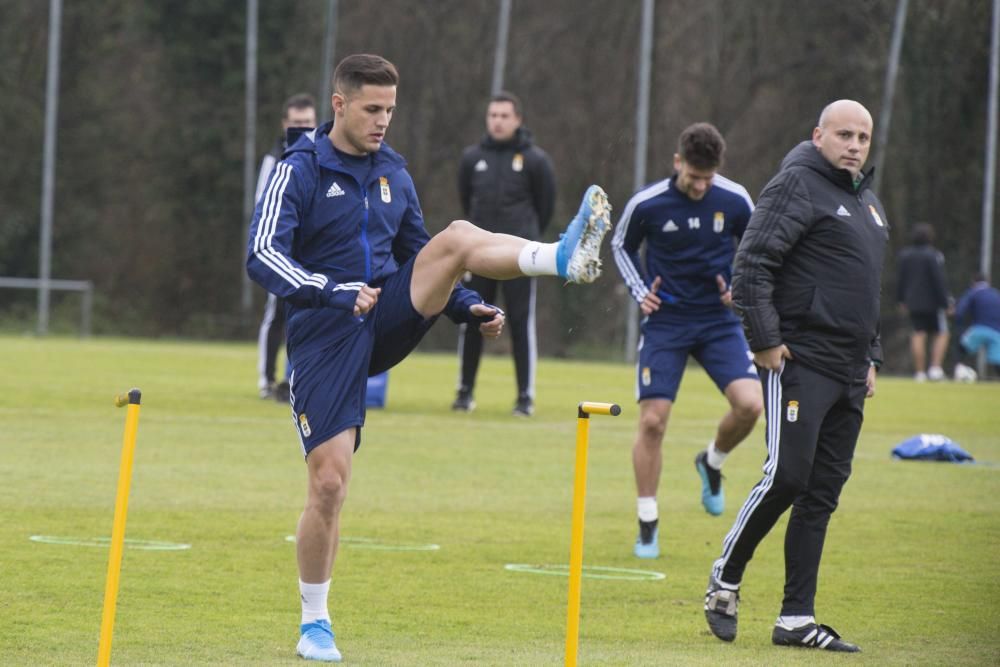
720	609
812	635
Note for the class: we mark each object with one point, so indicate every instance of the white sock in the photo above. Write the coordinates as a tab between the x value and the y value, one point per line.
538	259
715	457
792	622
647	509
314	601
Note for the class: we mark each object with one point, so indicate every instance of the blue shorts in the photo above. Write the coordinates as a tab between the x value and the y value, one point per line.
332	353
980	336
717	343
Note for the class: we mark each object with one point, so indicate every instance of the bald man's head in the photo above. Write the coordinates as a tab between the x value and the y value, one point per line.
844	134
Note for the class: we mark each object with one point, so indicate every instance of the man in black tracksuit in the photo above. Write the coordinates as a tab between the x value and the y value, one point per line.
506	185
922	291
806	284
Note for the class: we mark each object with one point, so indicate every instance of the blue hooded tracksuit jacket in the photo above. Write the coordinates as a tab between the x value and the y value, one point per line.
317	234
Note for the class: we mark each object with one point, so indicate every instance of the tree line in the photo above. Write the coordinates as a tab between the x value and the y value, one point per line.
150	144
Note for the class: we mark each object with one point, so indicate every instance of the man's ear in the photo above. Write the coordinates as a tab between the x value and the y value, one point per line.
338	102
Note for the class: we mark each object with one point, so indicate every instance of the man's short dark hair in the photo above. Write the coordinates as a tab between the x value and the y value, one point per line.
701	146
507	96
298	101
923	234
363	69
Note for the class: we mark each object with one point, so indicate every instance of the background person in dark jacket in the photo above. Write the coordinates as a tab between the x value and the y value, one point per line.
806	285
922	291
299	111
507	185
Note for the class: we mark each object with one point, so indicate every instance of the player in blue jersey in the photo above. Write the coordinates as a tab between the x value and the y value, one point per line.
340	236
690	225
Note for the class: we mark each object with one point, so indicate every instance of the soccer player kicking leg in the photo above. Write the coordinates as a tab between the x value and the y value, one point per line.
409	302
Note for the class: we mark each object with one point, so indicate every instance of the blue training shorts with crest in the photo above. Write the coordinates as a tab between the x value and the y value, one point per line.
716	342
333	352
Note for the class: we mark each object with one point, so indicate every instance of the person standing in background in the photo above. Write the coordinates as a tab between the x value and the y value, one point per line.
922	291
506	184
299	112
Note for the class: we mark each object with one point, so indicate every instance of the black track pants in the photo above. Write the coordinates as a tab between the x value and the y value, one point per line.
519	304
813	424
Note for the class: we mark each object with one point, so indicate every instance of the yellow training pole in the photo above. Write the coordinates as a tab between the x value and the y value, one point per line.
584	410
118	529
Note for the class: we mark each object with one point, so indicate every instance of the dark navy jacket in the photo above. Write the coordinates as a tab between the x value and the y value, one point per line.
688	243
318	235
808	272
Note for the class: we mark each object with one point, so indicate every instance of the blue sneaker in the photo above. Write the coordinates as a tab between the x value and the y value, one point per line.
578	255
316	642
647	545
712	496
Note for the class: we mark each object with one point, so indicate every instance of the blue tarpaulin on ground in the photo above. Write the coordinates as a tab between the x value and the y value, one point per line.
931	447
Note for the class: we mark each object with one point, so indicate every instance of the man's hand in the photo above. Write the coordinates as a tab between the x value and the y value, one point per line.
367	298
493	327
870	381
772	358
651	302
725	295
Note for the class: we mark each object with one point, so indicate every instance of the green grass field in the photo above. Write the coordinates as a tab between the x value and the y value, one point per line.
911	570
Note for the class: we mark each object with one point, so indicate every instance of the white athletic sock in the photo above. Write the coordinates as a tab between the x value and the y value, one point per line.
647	508
792	622
314	601
538	259
715	457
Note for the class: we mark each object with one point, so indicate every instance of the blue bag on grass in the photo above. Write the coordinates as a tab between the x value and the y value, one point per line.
377	386
931	447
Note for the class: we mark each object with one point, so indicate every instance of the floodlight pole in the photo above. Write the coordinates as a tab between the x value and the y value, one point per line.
249	153
888	92
641	150
990	170
329	48
500	54
49	165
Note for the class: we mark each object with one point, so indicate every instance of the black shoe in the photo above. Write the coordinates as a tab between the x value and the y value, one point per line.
720	609
812	636
282	392
524	407
463	401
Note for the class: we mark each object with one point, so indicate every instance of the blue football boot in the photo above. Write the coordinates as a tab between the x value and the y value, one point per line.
712	496
647	545
578	255
316	642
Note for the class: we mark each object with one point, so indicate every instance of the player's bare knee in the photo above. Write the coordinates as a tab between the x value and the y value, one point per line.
329	487
749	410
652	427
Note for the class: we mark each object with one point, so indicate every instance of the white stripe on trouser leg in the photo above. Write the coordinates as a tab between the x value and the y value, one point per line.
770	467
532	342
270	309
461	352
